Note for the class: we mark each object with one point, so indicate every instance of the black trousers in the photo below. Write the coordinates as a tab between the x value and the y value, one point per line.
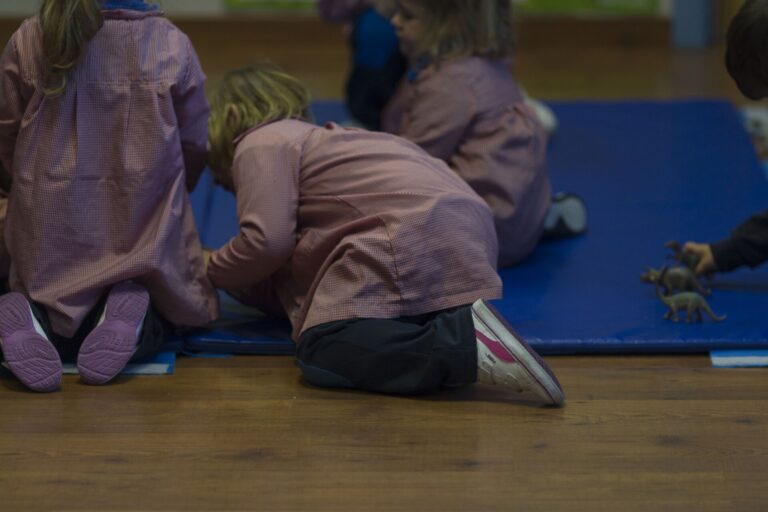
153	333
407	355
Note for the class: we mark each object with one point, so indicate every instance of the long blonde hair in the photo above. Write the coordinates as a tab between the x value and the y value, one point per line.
246	98
459	28
67	27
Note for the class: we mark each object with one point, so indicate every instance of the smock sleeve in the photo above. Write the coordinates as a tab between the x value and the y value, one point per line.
747	246
265	179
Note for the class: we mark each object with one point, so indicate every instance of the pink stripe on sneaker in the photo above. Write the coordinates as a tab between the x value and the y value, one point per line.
496	347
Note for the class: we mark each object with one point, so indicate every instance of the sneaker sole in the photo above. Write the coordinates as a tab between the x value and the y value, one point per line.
517	346
110	345
29	356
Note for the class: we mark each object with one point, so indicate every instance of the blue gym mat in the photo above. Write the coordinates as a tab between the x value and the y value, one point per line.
649	172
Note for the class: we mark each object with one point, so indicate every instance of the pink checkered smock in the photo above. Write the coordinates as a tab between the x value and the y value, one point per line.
100	173
470	113
342	223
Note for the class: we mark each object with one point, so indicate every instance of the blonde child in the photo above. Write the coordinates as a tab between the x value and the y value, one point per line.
460	103
380	256
103	127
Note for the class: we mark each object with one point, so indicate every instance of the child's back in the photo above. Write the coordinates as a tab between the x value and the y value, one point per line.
100	171
360	224
469	112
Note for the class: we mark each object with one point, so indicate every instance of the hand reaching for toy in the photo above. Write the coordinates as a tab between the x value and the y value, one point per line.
707	263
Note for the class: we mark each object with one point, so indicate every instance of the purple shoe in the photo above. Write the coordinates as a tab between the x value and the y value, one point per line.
504	358
111	344
28	354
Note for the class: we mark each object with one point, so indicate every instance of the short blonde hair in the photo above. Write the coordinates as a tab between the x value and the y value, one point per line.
246	98
459	28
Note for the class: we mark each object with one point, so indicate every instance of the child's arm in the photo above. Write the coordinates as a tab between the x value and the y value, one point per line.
748	245
437	116
11	103
266	183
192	112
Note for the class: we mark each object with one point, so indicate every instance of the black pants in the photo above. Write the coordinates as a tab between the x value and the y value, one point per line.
152	336
407	355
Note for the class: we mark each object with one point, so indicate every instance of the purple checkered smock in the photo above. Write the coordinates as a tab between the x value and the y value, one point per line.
470	113
100	173
342	223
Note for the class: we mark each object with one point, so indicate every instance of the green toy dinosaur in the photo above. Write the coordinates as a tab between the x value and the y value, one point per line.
692	302
676	279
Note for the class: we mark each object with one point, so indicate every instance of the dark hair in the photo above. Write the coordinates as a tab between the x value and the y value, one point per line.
746	55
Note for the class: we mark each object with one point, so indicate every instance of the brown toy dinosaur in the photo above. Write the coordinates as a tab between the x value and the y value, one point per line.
688	259
676	279
692	302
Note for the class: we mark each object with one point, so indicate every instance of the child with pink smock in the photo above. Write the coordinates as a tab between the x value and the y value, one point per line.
103	129
461	104
380	256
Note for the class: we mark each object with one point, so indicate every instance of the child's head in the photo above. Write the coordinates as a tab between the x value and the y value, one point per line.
246	98
747	50
67	27
438	29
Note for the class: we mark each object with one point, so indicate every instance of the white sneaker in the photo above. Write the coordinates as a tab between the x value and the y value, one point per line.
567	216
546	117
504	358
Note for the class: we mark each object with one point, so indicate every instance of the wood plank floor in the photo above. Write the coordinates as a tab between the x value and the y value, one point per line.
665	433
638	433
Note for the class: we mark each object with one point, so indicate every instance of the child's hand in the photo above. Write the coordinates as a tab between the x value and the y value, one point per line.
207	257
707	263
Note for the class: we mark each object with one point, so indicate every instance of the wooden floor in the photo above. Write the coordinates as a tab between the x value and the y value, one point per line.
638	433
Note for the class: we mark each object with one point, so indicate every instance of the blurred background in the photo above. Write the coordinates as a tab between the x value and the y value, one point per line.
568	49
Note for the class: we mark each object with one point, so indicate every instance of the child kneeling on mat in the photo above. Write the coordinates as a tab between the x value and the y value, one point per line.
381	257
103	127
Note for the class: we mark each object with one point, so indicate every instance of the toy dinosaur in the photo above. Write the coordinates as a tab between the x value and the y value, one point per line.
692	302
688	259
676	279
